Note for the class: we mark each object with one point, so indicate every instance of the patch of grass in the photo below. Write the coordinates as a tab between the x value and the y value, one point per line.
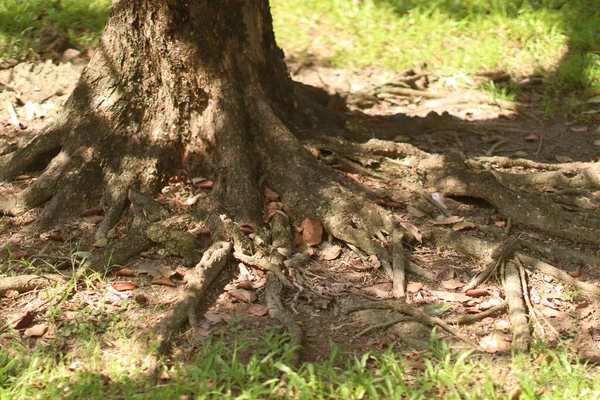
32	26
521	37
89	366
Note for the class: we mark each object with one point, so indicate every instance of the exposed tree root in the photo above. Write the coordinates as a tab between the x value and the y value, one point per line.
25	283
198	281
470	318
483	249
516	305
414	312
277	311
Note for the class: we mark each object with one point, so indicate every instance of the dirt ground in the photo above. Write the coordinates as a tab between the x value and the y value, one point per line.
412	107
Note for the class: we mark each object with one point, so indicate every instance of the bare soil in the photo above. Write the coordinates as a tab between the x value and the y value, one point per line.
433	116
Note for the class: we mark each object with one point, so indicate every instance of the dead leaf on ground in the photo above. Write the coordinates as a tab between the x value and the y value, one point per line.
123	286
576	273
415	212
312	231
414	287
23	321
23	177
387	202
464	225
452	284
495	342
57	236
355	177
531	137
102	242
202	183
447	221
331	253
247	229
381	290
477	292
258	310
164	281
125	272
36	330
243	295
18	254
412	231
244	284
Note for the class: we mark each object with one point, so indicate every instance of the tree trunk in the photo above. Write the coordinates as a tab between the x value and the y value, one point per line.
194	89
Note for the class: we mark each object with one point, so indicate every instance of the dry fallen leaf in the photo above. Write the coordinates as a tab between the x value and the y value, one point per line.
163	281
36	330
415	212
531	137
123	286
213	318
94	219
18	254
312	231
125	272
57	236
495	342
258	310
477	292
202	183
23	321
361	267
355	177
412	231
452	284
414	287
464	225
576	273
331	253
243	295
246	229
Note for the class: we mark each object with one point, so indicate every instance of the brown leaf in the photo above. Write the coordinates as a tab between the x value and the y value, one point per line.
243	295
341	167
125	272
165	281
57	236
447	221
495	342
297	239
412	231
123	286
464	225
312	231
244	284
355	177
23	321
18	254
246	229
415	212
36	330
93	211
414	287
202	183
477	292
381	290
270	195
315	152
258	310
67	264
531	137
331	253
452	284
576	273
213	318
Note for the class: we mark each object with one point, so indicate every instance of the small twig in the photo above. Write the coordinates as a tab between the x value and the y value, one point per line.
491	150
